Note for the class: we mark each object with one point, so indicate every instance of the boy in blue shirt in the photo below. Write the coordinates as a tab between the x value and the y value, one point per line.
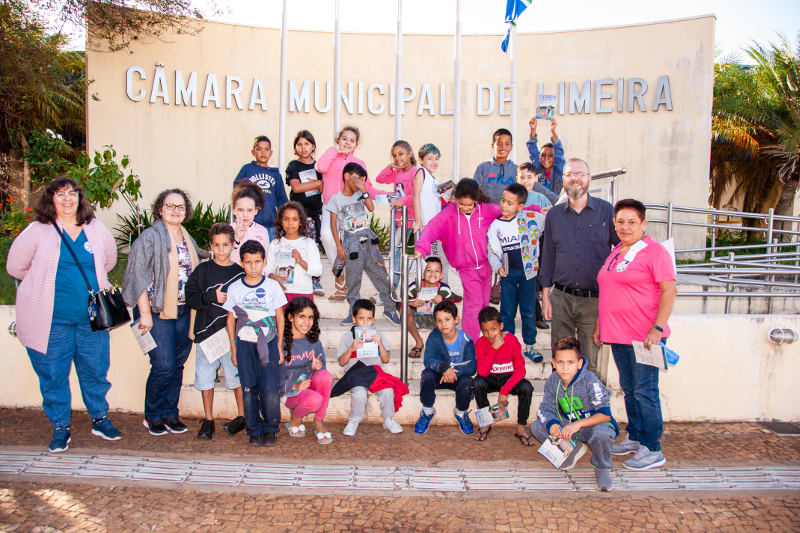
268	178
549	163
449	364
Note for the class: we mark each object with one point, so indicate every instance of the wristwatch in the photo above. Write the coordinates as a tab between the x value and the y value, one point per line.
365	196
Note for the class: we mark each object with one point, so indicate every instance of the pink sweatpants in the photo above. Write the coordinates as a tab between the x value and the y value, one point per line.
313	399
477	292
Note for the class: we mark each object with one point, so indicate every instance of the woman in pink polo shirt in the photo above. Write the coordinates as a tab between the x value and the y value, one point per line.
637	292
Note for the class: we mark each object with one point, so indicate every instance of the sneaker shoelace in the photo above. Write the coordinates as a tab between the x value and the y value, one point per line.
641	454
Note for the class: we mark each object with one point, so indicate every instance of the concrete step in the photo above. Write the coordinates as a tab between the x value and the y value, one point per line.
416	366
191	405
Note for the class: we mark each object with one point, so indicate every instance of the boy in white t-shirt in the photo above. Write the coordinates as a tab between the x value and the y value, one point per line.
255	324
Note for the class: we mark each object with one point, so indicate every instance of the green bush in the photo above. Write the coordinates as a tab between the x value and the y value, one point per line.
8	290
46	156
382	231
737	238
130	226
106	181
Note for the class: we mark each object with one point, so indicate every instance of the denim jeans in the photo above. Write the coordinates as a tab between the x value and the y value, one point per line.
429	382
516	289
397	256
260	387
642	404
163	388
68	342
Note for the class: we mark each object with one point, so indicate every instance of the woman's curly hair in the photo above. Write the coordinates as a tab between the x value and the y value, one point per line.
158	203
45	209
301	214
294	307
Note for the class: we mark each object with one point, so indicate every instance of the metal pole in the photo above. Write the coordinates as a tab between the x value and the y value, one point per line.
729	286
284	94
457	93
403	300
713	234
399	93
513	54
337	72
392	244
614	193
770	250
669	220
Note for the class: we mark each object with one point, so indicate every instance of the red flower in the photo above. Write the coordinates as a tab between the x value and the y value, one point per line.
10	199
27	218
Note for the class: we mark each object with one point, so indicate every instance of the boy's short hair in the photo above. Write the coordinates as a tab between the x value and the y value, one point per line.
367	305
527	165
433	259
428	149
446	307
354	168
567	344
630	203
489	314
221	228
252	247
261	139
547	145
501	131
518	190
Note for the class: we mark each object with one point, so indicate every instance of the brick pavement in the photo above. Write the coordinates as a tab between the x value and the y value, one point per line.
723	444
52	507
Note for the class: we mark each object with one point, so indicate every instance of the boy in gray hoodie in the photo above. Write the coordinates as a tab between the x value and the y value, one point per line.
577	406
495	175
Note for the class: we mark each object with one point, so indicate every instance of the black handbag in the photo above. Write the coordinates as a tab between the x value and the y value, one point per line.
109	306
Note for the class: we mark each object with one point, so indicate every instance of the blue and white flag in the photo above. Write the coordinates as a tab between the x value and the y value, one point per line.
514	9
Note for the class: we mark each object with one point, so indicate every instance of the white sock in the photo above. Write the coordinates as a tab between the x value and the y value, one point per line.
427	410
458	413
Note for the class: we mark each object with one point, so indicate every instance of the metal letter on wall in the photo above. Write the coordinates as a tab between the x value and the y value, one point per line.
580	102
599	95
361	98
490	109
663	89
159	89
426	100
257	95
299	101
636	94
211	94
348	102
408	98
561	98
370	106
329	98
620	95
138	97
442	101
231	92
185	94
501	109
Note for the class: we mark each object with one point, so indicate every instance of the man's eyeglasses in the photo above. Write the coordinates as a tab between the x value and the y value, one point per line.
576	174
175	207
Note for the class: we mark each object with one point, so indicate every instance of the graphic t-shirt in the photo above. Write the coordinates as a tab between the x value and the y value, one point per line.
454	350
184	271
71	302
254	307
303	355
351	213
518	239
304	172
347	341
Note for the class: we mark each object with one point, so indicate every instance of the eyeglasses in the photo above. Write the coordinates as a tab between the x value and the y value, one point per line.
72	195
176	207
612	263
576	174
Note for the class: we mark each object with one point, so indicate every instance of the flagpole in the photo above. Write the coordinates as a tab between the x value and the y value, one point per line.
284	93
399	93
457	94
337	74
513	46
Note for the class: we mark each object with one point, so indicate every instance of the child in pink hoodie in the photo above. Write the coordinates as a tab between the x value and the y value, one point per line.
400	173
463	228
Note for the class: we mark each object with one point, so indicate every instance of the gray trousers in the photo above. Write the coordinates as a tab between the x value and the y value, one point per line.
358	404
365	258
573	314
599	438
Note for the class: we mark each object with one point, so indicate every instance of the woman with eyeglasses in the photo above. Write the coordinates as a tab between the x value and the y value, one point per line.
160	262
637	292
52	305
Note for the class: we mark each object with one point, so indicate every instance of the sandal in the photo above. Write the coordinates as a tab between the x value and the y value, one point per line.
296	431
341	292
494	301
483	434
524	439
324	438
415	352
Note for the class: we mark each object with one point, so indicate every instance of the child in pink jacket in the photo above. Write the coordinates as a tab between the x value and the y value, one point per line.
463	228
400	173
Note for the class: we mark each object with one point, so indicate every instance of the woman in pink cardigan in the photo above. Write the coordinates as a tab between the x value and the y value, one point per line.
53	305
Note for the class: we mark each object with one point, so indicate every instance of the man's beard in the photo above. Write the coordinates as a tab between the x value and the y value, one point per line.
577	195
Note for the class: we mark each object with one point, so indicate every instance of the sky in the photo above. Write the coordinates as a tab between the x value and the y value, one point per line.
739	22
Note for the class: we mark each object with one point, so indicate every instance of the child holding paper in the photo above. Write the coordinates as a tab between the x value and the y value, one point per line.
421	301
205	292
549	163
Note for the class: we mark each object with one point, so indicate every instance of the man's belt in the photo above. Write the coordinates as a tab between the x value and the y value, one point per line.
577	292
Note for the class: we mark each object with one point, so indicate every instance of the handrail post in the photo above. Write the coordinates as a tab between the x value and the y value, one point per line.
614	191
392	244
669	220
770	250
419	263
404	265
729	286
713	235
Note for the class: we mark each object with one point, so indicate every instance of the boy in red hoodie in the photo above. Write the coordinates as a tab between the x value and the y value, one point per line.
501	368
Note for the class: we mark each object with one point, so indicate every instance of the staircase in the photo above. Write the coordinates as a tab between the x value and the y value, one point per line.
331	314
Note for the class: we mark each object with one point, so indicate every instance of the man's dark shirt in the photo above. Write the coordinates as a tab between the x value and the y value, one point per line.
575	245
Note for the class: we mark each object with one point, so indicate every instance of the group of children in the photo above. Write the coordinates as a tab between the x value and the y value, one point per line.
266	269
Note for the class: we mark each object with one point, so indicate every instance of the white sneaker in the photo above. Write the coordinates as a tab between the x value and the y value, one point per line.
625	447
350	429
377	299
392	426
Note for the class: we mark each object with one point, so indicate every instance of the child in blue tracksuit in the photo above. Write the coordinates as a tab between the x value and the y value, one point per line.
268	178
449	364
549	163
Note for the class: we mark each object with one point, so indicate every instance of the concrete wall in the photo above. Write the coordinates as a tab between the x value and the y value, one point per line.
201	148
728	371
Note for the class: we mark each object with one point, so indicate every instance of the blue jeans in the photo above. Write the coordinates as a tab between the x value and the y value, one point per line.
163	388
260	387
397	256
68	342
642	404
429	382
516	289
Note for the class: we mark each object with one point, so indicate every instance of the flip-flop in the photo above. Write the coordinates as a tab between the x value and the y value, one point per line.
525	440
296	431
415	352
483	435
324	436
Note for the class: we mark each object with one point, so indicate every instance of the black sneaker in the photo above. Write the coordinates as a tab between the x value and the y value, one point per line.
234	426
206	430
270	438
174	425
457	298
256	440
156	427
541	324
